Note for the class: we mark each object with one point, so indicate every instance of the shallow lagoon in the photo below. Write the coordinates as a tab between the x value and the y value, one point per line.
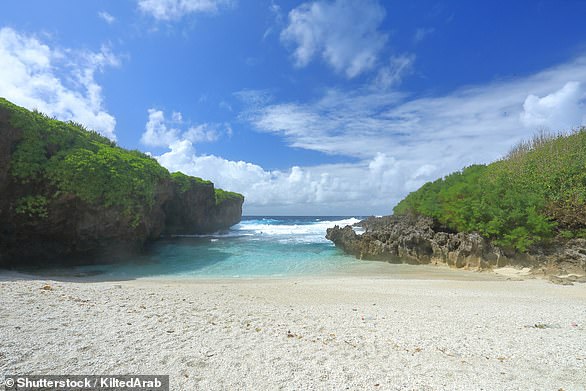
257	247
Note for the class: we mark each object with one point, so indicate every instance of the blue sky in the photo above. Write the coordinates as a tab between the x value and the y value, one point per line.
322	107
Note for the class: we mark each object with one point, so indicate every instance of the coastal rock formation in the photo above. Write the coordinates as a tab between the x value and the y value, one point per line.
420	240
227	212
73	230
195	207
70	195
416	240
561	258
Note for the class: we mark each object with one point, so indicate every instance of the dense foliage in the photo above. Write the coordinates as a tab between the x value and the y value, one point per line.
80	162
537	192
222	196
186	182
32	206
73	160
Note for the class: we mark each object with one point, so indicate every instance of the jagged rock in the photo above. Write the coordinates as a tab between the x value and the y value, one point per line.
420	240
416	240
561	258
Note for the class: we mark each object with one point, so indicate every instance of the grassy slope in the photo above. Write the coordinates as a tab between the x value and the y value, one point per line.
74	160
536	193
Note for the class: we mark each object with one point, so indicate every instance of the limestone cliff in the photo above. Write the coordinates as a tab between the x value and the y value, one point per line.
196	207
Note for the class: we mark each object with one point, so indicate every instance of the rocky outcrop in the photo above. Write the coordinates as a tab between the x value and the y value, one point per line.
564	257
416	240
75	231
227	213
78	232
420	240
194	209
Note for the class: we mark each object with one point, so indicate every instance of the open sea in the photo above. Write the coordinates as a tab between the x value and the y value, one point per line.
275	246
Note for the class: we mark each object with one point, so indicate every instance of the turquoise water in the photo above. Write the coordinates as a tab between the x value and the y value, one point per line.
257	247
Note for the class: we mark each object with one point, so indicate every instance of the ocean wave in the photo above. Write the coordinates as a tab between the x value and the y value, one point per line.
285	230
296	228
217	235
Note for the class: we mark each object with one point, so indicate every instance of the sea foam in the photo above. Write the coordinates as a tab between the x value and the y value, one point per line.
291	230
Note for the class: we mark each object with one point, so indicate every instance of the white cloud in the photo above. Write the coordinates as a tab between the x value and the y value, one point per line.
168	10
106	17
161	132
319	190
277	14
254	99
177	117
201	133
225	105
370	185
157	132
324	189
561	109
393	73
422	33
32	75
344	33
476	123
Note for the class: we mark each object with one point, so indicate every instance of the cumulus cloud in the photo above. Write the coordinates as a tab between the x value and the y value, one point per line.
320	190
32	74
158	131
369	185
561	109
106	17
168	10
344	33
163	132
202	133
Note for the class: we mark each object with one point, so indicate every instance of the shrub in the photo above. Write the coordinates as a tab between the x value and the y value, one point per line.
536	192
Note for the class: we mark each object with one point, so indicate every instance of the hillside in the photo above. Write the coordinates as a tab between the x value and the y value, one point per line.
535	194
69	192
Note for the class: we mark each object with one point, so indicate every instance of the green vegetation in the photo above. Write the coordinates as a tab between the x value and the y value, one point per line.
32	206
222	195
186	182
537	192
56	158
81	162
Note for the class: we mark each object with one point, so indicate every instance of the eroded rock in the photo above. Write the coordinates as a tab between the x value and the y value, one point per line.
420	240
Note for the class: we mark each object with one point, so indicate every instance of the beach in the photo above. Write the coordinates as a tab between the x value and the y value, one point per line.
401	329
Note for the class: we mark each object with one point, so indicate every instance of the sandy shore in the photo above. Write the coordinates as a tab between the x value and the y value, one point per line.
391	331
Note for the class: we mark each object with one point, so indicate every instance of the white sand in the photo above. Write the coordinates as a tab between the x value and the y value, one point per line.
426	331
514	273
